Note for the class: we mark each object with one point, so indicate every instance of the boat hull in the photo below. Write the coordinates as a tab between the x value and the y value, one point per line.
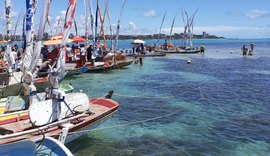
21	129
181	51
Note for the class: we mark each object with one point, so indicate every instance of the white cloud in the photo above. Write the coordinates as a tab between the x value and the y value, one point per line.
150	13
132	25
256	13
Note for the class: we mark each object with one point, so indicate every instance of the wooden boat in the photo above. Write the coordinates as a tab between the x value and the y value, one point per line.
45	146
180	51
98	67
123	63
149	54
20	127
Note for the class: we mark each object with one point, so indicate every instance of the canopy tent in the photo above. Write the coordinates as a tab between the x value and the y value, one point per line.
137	41
54	42
78	39
56	37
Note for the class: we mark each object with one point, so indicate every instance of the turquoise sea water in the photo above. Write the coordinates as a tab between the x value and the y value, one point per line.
218	105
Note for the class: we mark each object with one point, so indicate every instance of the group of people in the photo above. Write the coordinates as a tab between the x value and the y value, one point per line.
245	50
75	53
10	61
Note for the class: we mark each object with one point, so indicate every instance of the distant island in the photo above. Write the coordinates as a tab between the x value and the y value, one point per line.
163	36
204	35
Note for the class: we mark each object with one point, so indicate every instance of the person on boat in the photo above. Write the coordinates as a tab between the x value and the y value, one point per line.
2	62
69	53
244	50
45	65
89	53
165	45
82	54
202	48
44	53
54	54
13	58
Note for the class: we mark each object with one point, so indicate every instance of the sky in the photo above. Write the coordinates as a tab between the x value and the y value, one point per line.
228	18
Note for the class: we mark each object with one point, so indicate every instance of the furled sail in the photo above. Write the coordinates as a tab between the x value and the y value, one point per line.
8	54
58	73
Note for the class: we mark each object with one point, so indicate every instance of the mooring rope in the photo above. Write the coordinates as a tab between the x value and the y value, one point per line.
127	124
143	97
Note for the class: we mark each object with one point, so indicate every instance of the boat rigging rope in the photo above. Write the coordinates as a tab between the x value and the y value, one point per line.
127	124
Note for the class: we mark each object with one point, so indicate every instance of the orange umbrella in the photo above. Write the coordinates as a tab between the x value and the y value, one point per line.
54	42
78	39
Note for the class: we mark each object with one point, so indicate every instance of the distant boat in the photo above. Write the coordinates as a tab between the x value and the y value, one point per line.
187	48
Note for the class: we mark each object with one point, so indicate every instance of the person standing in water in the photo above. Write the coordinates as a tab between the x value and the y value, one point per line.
252	47
244	50
202	48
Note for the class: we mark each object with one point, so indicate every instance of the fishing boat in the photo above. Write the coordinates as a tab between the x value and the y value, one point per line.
22	127
44	146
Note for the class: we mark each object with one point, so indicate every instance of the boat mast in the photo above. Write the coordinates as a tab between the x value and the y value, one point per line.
86	22
172	28
161	28
109	20
102	26
118	26
92	20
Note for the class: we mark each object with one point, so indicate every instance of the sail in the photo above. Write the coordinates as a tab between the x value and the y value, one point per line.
172	28
60	68
8	19
92	19
30	10
109	20
159	33
86	21
102	27
118	26
8	32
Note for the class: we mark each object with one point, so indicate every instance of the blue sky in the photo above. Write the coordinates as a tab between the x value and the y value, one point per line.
230	18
